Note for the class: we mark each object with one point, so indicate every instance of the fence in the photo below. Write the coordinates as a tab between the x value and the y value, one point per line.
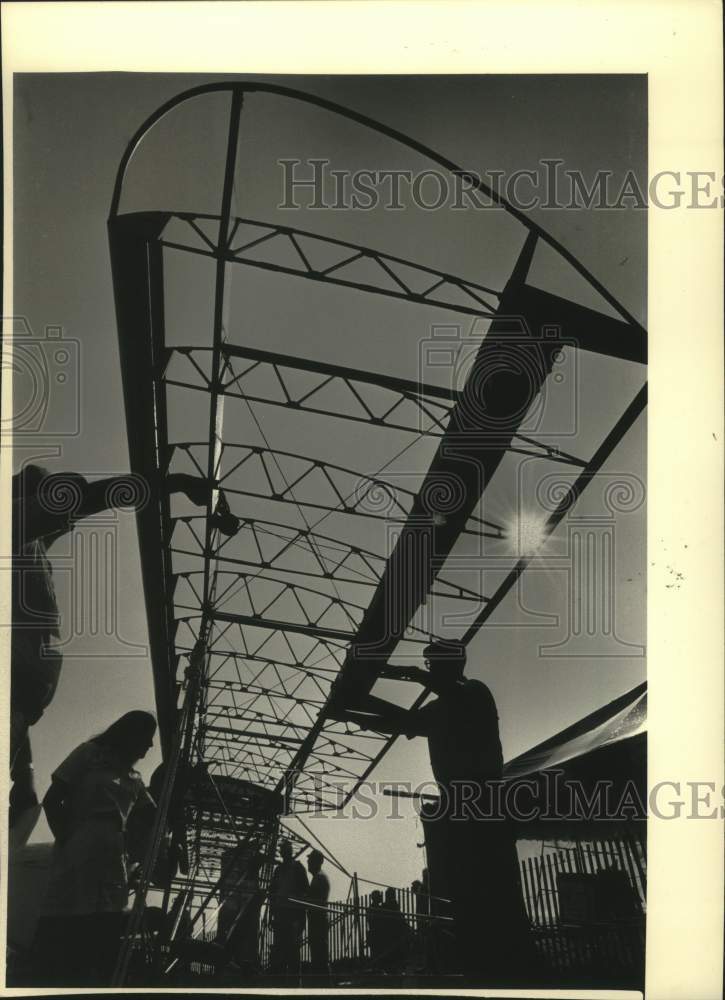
587	905
348	931
578	922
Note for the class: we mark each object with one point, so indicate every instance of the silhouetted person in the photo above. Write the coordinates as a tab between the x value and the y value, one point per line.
238	922
416	887
45	507
429	932
396	931
461	726
616	899
376	927
288	890
617	905
87	806
317	929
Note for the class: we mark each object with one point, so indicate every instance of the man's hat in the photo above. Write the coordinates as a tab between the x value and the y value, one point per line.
442	650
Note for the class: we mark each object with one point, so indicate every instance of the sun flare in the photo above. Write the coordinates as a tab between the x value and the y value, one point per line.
527	533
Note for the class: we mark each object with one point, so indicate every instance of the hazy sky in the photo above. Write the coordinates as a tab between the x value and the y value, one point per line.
70	132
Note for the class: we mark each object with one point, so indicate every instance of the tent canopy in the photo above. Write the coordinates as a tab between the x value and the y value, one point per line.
591	775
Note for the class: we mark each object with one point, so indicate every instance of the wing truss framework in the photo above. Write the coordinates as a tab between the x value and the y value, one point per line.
310	573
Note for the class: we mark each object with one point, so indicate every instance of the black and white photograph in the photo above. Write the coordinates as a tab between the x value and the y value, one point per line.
328	617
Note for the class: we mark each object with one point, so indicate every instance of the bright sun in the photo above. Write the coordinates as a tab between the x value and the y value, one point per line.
527	533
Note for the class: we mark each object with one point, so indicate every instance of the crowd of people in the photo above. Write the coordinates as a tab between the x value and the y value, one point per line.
295	901
390	936
298	901
96	789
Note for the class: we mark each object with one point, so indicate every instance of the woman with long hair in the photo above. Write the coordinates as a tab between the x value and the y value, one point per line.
87	806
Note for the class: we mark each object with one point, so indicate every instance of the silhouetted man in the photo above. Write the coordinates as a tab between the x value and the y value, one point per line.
319	894
461	726
238	921
376	927
396	933
288	891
